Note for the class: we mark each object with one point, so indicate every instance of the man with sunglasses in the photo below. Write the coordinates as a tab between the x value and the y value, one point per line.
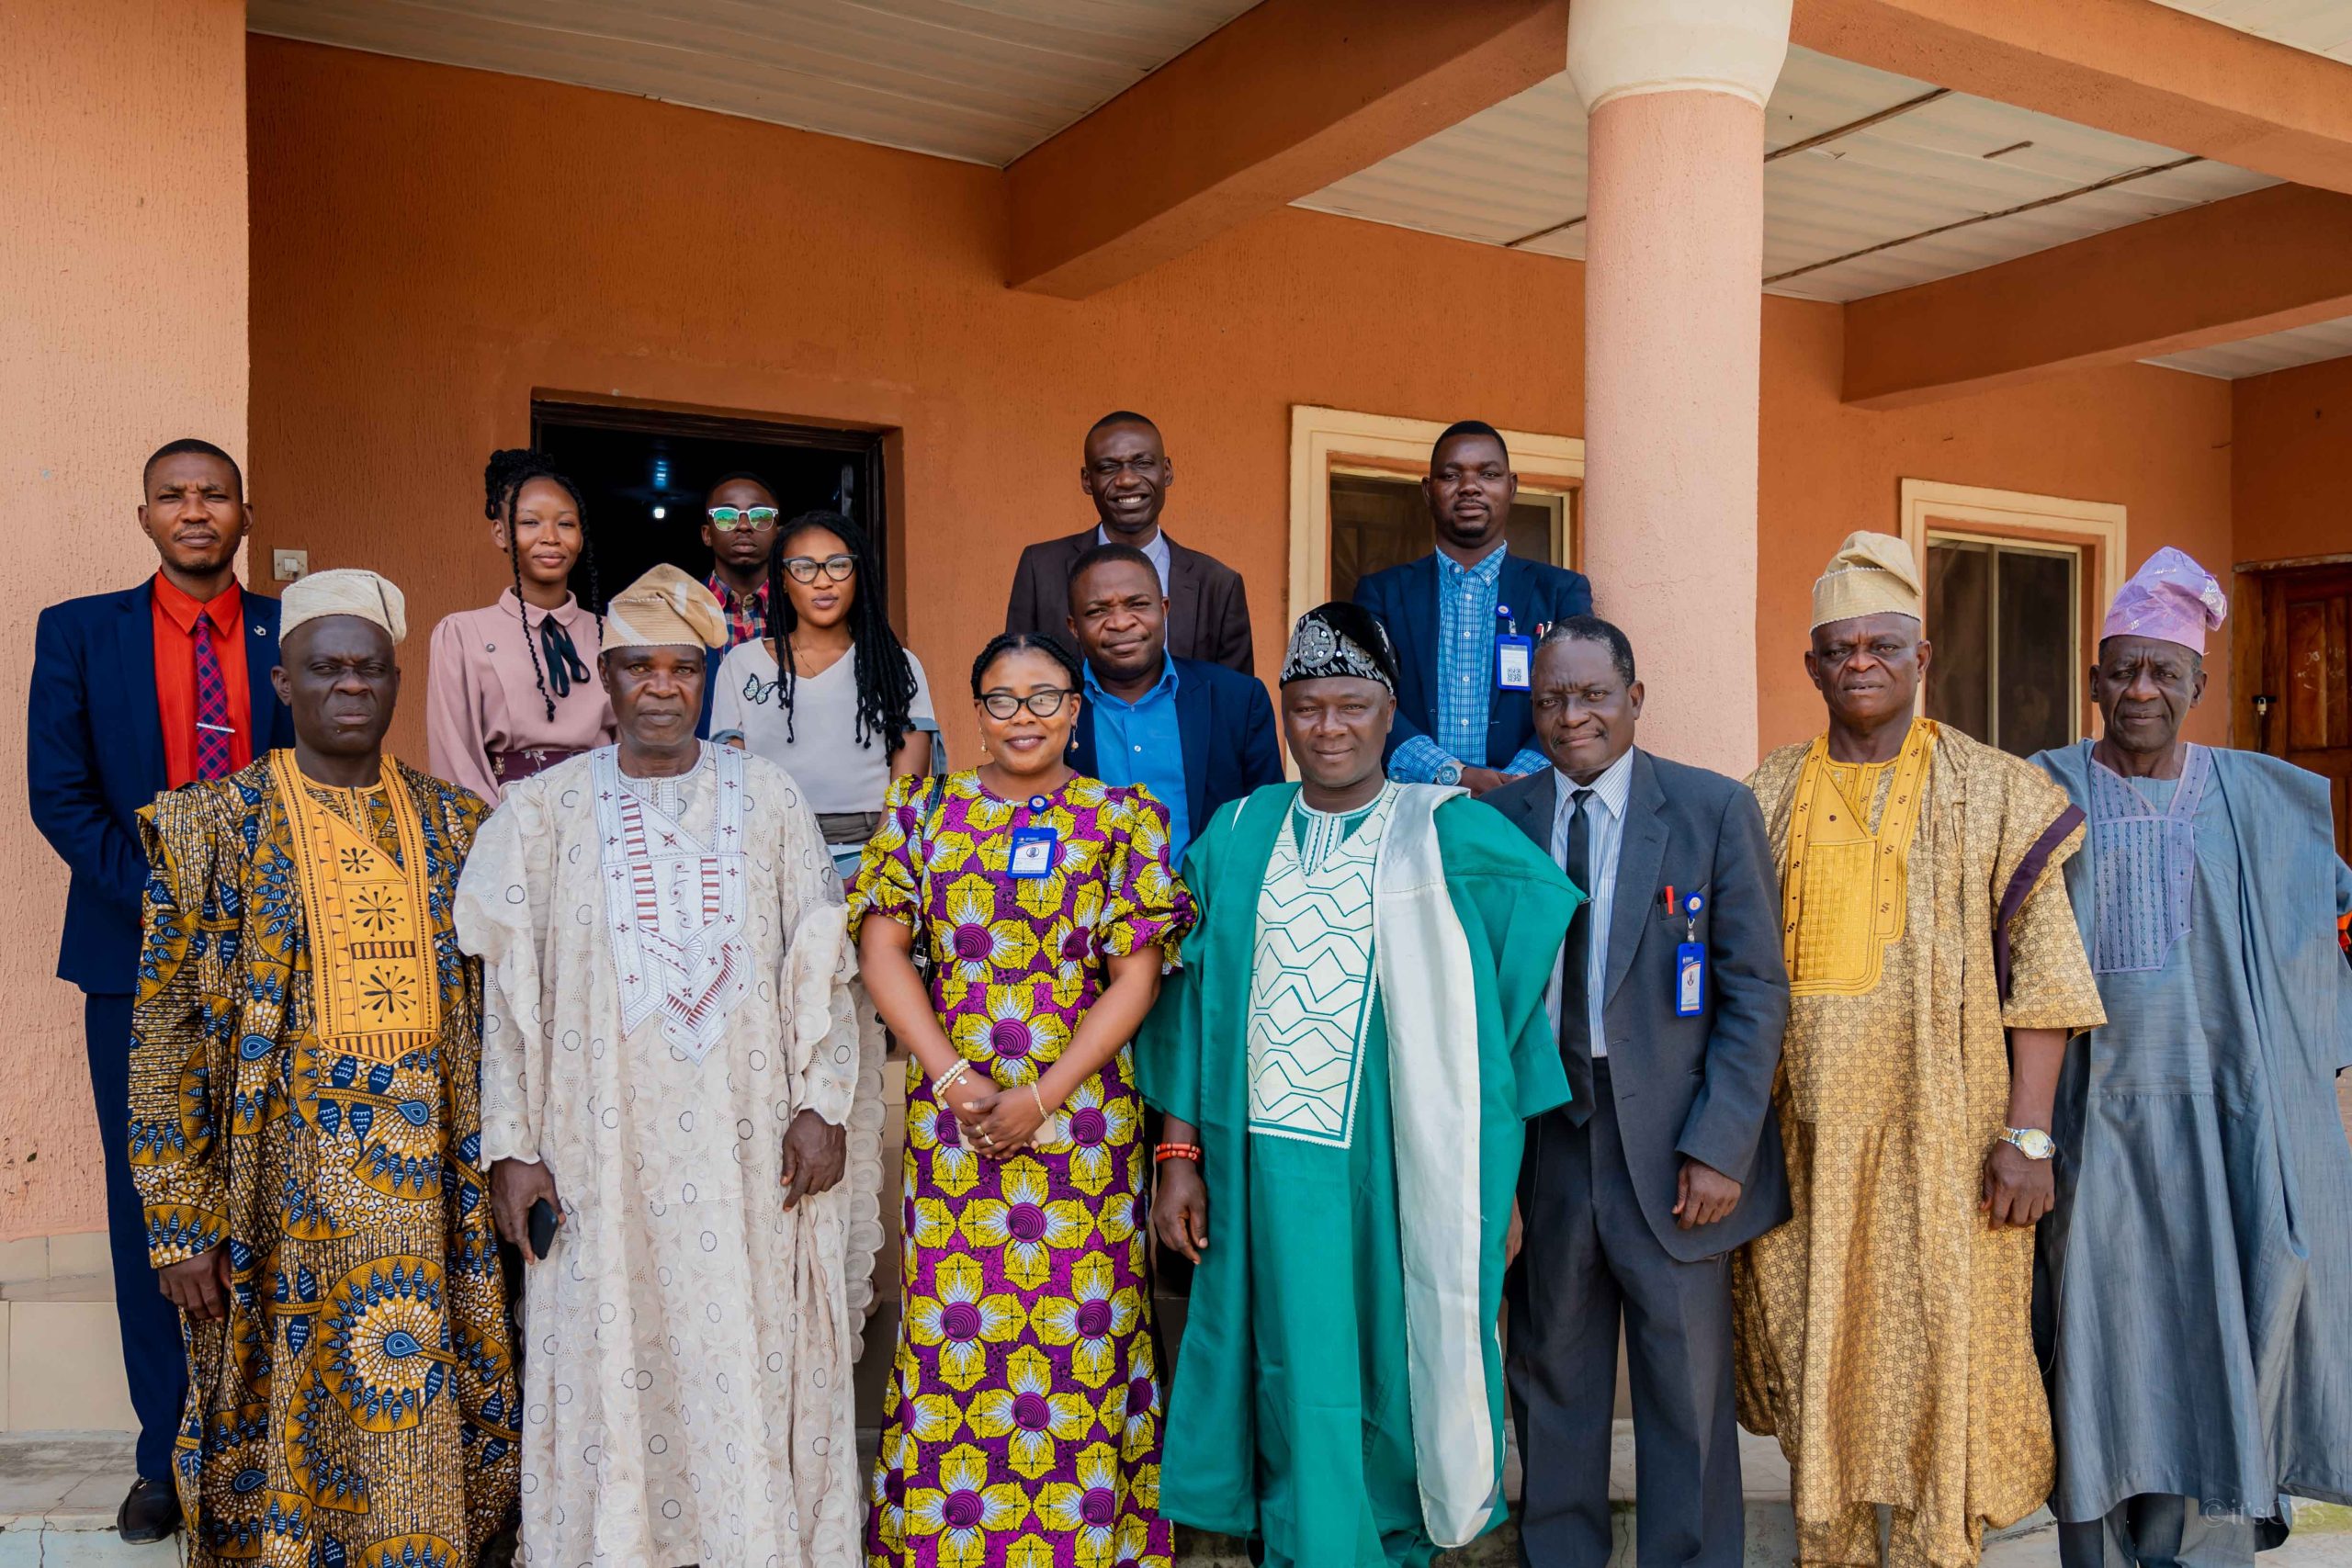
739	517
1126	472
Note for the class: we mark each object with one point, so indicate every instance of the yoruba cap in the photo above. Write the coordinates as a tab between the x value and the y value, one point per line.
2170	597
1339	639
344	590
664	608
1872	574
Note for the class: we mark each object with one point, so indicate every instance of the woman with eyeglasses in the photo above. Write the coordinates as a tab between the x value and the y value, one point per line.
511	688
829	695
738	519
1024	1400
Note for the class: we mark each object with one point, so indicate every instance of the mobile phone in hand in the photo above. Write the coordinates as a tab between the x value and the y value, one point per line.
542	1220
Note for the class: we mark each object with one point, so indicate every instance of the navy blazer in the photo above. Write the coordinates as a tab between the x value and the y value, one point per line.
1226	724
1405	598
93	756
1697	1087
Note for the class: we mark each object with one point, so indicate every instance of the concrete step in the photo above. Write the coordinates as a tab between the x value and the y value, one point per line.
59	1492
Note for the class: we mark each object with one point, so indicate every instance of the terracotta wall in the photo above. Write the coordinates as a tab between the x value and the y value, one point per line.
432	244
2292	478
122	261
2156	440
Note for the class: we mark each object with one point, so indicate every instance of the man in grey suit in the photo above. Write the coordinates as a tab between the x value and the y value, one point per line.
1670	1003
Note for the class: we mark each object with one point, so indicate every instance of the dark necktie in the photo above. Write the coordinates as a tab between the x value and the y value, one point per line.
212	728
1576	1012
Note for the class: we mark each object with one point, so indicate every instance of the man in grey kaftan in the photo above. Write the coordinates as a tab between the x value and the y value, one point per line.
2194	1284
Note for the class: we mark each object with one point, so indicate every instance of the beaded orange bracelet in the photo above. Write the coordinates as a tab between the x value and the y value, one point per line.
1177	1151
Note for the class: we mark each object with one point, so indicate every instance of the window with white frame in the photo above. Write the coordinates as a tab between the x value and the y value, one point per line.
2006	618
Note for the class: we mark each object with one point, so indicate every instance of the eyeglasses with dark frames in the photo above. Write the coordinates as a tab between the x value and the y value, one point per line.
1045	704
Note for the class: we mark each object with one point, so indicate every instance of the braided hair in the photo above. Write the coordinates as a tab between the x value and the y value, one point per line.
503	478
1025	642
885	681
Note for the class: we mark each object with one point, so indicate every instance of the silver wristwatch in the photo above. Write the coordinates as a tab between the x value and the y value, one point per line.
2032	1142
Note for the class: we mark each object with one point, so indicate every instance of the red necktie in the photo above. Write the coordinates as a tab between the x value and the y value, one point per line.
212	726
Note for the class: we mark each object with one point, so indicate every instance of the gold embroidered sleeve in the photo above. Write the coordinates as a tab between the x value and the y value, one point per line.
178	1028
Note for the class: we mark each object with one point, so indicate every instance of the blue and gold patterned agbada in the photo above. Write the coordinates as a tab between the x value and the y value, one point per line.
357	1405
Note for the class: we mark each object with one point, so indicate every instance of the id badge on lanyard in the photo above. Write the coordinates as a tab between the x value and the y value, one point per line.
1036	847
1514	654
1689	957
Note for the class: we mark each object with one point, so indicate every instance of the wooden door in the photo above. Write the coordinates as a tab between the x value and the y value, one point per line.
2307	671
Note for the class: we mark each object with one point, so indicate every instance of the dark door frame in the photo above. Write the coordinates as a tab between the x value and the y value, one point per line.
858	441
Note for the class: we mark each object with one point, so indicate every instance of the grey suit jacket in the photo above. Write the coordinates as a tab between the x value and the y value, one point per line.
1208	611
1697	1087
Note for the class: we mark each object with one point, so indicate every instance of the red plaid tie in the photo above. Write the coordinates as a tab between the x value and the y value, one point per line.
212	727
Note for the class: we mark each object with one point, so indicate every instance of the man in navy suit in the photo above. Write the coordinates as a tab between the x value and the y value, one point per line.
1464	620
1199	735
133	693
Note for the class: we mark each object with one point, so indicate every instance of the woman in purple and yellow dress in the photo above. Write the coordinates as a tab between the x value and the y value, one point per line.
1021	1422
511	689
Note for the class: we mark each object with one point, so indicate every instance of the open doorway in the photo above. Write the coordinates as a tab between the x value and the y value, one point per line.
644	473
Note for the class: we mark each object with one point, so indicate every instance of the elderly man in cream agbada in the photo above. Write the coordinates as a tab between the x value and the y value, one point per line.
673	1062
1935	974
304	1119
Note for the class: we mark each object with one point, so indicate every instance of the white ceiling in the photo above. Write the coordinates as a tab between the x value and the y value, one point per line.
980	79
1519	167
2322	26
1904	200
2272	351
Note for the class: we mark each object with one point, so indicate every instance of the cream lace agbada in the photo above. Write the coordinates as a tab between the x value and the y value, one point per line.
667	984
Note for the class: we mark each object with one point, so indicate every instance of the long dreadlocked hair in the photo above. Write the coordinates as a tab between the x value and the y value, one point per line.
503	480
886	682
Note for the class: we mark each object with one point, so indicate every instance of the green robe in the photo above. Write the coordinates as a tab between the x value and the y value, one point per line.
1290	1418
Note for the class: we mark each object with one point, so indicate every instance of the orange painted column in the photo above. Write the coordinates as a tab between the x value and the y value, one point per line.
123	263
1673	323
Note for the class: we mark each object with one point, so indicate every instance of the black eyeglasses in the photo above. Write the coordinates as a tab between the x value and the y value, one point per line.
1045	704
805	569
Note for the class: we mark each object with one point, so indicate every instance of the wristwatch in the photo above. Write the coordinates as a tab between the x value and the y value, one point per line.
2032	1142
1450	774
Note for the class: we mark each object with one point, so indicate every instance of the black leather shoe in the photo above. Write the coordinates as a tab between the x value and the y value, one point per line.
150	1513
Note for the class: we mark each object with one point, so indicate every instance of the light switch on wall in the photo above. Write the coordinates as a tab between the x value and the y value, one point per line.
288	565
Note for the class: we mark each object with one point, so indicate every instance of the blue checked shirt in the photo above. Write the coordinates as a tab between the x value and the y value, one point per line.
1467	596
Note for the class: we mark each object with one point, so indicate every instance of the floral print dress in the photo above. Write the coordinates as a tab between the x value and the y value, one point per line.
1021	1421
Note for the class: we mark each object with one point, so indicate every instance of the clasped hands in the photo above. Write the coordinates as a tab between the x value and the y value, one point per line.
995	1121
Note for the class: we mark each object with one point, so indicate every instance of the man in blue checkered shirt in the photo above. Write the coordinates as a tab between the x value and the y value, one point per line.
1448	613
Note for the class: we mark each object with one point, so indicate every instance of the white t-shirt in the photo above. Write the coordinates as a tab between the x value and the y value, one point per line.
823	756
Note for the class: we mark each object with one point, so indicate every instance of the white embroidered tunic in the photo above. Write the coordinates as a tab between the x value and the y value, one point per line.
666	984
1311	979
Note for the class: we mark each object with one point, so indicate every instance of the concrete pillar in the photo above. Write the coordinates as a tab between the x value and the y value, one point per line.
123	263
1673	318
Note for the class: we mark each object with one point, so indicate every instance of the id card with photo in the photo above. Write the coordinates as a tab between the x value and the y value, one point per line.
1034	853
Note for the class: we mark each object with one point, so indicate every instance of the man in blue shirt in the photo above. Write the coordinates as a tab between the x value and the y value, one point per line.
1456	616
1196	734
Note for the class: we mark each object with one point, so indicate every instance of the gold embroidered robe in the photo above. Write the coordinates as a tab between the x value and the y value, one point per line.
358	1402
1884	1333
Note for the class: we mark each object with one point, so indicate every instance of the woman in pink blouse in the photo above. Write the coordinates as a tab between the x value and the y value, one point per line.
514	687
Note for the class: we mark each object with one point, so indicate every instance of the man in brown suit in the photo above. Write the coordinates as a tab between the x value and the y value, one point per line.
1127	473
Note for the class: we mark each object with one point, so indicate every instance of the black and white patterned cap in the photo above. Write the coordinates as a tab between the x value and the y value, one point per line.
1339	639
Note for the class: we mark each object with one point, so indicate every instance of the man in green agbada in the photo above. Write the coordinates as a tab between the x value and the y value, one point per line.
1354	1041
